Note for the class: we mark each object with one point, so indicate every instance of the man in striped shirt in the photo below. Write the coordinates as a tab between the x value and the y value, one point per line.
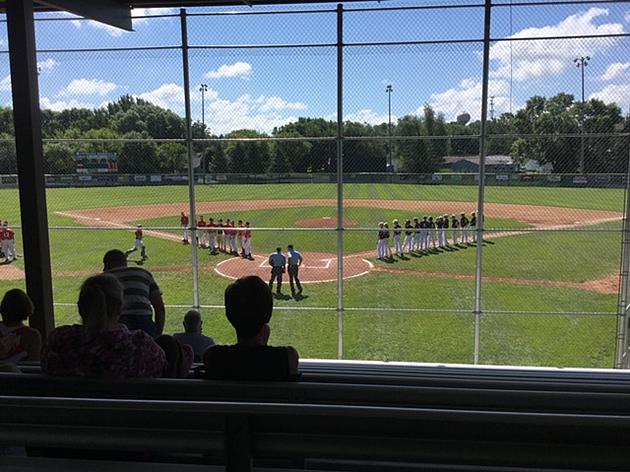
142	296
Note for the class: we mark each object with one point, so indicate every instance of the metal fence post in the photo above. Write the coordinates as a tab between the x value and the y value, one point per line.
624	282
482	177
191	170
340	248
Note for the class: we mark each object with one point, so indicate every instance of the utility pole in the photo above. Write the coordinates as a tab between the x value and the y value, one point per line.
203	88
389	91
581	63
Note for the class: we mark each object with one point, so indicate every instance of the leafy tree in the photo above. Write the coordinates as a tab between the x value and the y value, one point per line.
363	155
323	154
215	156
238	158
291	154
59	159
172	157
8	164
412	152
138	155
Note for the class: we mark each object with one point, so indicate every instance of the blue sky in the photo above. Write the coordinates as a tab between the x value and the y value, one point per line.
263	88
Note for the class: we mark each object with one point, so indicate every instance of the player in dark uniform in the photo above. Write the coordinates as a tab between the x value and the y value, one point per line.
473	226
397	242
432	229
455	232
417	235
444	229
464	222
424	234
380	242
409	236
388	249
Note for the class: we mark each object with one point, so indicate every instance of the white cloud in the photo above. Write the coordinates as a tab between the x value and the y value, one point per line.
368	116
527	60
616	70
171	96
47	65
59	105
88	87
223	116
627	16
238	69
5	84
617	93
135	13
466	98
277	103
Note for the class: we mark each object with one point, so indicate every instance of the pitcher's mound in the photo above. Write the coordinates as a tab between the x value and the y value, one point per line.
317	267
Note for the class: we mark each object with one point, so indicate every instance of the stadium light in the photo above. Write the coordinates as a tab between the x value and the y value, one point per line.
389	91
203	88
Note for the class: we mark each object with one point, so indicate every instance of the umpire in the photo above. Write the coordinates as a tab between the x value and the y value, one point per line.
277	262
295	261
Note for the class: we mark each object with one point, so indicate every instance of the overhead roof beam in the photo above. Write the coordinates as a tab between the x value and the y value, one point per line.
111	12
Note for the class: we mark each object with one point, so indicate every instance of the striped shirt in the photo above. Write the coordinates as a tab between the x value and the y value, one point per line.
139	286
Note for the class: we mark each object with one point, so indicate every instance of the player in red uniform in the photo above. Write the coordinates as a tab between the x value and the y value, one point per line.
247	242
183	220
201	237
233	246
138	244
8	240
212	236
239	235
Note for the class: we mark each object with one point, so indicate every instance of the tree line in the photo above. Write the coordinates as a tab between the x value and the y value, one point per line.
148	139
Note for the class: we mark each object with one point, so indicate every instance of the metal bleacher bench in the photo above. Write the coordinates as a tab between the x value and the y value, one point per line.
351	416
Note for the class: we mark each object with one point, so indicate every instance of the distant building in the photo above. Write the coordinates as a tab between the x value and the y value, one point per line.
497	164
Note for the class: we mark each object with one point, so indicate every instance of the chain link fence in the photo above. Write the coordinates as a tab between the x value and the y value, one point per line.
493	141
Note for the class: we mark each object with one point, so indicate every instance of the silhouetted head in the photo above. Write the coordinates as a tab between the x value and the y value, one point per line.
248	305
114	258
192	321
16	306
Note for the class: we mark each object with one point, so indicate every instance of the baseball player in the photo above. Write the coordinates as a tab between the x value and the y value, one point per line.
201	238
439	226
380	241
417	235
138	244
397	242
8	240
212	235
432	232
424	234
233	245
277	261
247	242
455	227
464	222
388	249
473	226
409	236
183	221
294	262
220	240
239	235
4	250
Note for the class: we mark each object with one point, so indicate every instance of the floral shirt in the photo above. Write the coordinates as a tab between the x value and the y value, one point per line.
117	353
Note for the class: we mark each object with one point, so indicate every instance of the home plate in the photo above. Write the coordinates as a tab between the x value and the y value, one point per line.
317	267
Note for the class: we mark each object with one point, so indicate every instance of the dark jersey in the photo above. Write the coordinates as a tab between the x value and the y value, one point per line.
445	223
382	234
463	222
454	223
397	230
408	228
473	221
418	226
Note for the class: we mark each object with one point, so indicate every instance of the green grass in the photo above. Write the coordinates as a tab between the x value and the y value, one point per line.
431	333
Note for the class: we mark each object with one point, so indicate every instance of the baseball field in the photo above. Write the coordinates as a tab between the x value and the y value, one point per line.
550	266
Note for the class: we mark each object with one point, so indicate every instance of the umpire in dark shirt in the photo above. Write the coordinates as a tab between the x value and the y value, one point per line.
277	261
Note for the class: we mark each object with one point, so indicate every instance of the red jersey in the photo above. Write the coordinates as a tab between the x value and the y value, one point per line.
184	220
138	233
240	231
201	224
247	233
8	234
212	225
232	230
3	234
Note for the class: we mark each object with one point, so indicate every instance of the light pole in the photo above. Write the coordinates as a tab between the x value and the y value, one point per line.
389	91
203	88
581	63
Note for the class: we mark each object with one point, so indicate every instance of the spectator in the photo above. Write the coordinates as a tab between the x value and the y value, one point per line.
192	334
17	341
103	347
141	294
248	307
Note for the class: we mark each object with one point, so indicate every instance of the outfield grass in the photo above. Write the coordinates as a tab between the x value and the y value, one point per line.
431	333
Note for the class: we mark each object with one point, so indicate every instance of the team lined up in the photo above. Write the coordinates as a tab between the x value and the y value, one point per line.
7	243
423	234
220	236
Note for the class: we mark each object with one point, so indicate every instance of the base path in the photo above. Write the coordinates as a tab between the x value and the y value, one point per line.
317	267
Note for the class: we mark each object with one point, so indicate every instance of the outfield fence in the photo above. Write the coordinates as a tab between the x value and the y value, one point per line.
231	125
